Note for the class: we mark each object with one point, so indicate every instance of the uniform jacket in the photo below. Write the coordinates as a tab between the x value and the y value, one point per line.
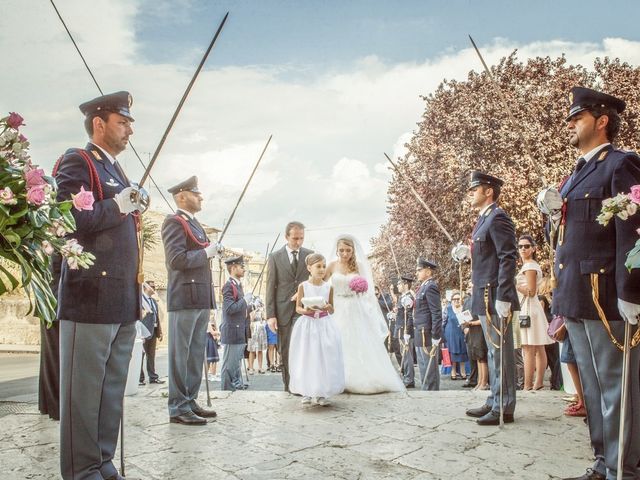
235	314
494	255
427	312
108	291
190	285
590	248
404	325
282	284
151	320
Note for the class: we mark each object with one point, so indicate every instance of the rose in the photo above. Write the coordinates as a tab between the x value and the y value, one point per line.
36	195
72	262
623	215
34	177
83	200
47	247
15	120
22	138
7	197
634	194
632	208
358	284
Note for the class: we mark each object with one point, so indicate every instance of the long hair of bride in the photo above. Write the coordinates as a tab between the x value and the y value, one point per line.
353	263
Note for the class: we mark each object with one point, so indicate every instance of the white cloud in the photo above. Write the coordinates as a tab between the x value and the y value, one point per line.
325	165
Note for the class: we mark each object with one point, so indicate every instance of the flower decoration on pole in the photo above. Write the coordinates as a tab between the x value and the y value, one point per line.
623	206
33	225
358	285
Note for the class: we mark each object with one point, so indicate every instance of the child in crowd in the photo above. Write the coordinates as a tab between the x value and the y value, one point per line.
272	350
213	337
315	353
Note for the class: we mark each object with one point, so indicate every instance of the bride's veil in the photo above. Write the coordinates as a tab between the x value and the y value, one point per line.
369	300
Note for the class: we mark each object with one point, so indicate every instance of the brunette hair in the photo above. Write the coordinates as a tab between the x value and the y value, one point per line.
533	243
314	258
291	225
613	125
353	264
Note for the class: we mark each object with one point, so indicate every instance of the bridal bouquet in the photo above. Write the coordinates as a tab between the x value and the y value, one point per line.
358	285
32	223
623	206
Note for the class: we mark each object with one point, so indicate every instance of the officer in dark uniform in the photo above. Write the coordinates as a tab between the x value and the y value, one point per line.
427	321
189	302
595	291
495	300
233	329
404	332
386	306
98	306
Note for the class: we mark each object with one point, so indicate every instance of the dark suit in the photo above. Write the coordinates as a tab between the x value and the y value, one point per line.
97	308
282	284
233	334
590	252
189	303
493	258
404	326
151	321
427	321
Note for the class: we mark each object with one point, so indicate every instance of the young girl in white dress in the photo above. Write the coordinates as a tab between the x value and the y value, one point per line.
315	353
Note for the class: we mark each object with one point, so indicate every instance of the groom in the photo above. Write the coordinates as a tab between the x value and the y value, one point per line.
286	269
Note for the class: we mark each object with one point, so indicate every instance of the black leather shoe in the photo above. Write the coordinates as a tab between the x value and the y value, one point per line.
157	380
493	418
410	385
141	383
468	385
479	412
590	474
203	412
188	418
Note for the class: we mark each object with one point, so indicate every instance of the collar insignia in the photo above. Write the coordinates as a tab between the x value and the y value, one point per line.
112	183
96	154
602	155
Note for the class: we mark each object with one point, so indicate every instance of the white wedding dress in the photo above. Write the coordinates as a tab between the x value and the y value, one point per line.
368	368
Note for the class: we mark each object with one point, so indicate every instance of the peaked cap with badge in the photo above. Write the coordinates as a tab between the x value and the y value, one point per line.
188	185
239	260
582	98
118	102
479	178
423	263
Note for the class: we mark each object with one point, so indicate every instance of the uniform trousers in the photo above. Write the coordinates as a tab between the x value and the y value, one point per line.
600	366
493	359
231	370
406	363
94	361
187	344
428	365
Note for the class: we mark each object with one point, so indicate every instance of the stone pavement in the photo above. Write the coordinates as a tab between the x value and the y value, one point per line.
269	435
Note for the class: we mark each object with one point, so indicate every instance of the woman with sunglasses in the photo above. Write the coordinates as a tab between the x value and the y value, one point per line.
534	336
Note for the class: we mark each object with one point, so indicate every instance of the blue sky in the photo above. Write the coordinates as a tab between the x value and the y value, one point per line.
337	83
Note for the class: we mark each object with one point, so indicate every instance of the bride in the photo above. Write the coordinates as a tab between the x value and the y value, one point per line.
368	368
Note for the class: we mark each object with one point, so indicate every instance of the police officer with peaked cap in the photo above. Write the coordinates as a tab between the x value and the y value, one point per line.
404	330
427	322
98	306
595	291
495	299
190	300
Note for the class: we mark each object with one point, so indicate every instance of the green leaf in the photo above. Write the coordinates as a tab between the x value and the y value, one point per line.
12	237
633	257
12	280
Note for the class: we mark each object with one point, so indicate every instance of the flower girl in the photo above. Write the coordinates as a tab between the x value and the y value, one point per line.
315	353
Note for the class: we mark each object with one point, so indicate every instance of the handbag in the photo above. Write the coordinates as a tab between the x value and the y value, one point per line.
525	320
557	330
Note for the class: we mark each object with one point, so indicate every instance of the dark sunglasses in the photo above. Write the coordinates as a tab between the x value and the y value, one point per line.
455	299
525	246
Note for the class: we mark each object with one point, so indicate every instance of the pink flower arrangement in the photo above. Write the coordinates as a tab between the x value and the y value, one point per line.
15	120
634	195
34	177
7	197
358	284
36	195
83	200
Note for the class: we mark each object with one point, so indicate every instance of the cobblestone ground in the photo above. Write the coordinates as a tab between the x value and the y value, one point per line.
269	435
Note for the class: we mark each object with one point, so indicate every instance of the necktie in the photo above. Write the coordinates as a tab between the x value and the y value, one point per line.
123	177
580	163
294	263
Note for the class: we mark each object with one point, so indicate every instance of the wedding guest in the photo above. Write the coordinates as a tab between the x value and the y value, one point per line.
233	329
386	305
272	349
533	328
151	321
257	343
317	365
477	351
454	336
552	349
472	380
576	407
213	357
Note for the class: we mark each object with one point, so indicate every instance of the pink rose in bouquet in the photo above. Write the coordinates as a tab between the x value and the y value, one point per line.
358	284
83	200
36	195
15	120
634	195
34	177
7	197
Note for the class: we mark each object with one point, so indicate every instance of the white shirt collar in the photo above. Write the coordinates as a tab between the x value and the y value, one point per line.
592	153
290	253
188	214
484	210
106	154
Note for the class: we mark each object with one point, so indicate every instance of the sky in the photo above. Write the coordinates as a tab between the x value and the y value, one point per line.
336	83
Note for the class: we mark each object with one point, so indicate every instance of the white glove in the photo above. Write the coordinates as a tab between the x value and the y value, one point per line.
406	302
407	338
123	200
461	253
391	316
503	309
435	341
214	249
629	311
248	297
549	201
